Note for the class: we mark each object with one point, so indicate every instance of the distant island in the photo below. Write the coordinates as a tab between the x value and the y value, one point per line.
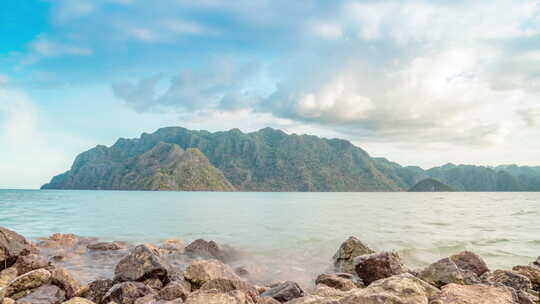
431	185
176	158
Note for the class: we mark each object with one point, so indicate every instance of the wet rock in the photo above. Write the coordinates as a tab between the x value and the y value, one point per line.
532	273
285	292
31	262
341	281
7	275
215	297
30	280
474	294
470	261
350	249
508	278
126	293
66	281
202	271
172	291
209	250
142	262
378	266
105	246
442	272
97	289
12	246
46	294
400	289
78	300
226	285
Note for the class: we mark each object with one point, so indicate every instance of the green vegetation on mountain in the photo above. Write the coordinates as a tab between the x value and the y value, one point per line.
175	158
431	185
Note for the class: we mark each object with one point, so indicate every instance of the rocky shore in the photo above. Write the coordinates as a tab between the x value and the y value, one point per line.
204	272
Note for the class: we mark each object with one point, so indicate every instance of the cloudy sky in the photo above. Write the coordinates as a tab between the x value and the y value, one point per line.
419	82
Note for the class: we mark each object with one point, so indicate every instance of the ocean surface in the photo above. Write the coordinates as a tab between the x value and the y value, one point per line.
291	234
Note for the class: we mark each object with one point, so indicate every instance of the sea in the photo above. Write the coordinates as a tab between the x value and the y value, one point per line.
291	235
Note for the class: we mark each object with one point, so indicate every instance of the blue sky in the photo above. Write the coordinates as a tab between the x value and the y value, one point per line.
419	82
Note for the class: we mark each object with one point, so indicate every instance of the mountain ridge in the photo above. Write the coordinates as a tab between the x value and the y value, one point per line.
271	160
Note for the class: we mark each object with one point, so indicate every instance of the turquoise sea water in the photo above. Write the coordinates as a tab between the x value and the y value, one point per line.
294	231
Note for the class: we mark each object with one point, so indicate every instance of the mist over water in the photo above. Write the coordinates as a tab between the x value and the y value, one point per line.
287	235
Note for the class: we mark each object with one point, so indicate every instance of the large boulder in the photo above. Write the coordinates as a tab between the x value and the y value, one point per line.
202	271
226	285
474	294
96	290
341	281
12	246
30	280
172	291
63	279
508	278
350	249
209	250
143	262
126	293
376	266
46	294
7	275
216	297
27	263
470	261
532	273
442	272
285	291
398	289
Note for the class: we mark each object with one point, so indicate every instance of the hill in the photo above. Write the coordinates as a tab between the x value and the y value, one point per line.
431	185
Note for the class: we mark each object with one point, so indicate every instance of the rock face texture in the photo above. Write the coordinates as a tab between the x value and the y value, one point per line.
12	245
143	262
202	271
376	266
284	292
474	294
350	249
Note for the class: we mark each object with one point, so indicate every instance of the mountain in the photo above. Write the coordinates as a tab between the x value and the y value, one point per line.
431	185
176	158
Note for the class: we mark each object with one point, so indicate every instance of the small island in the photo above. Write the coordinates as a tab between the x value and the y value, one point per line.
431	185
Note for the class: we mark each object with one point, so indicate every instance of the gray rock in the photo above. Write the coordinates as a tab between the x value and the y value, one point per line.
143	262
97	289
12	246
442	272
350	249
470	261
474	294
172	291
126	292
532	273
46	294
509	278
209	250
378	266
285	292
202	271
341	281
105	246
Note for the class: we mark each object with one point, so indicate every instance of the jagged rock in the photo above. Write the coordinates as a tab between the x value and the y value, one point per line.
532	273
153	283
66	281
173	246
442	272
7	275
398	289
97	290
470	261
126	292
341	281
285	292
350	249
12	246
30	280
105	246
209	250
202	271
537	262
474	294
378	266
508	278
172	291
78	300
267	300
142	262
226	285
215	297
46	294
27	263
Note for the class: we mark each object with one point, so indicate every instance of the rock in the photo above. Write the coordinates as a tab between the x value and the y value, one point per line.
285	292
226	285
153	283
399	289
30	280
208	250
341	281
173	246
329	292
8	301
378	266
442	272
172	291
126	292
7	275
27	263
313	299
470	261
215	297
46	294
350	249
78	300
104	246
142	262
508	278
202	271
474	294
537	262
63	279
267	300
532	273
12	246
97	290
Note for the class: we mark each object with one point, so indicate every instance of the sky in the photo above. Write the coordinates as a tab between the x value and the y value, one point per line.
418	82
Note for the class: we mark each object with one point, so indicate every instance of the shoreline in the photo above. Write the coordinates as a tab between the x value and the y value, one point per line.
204	272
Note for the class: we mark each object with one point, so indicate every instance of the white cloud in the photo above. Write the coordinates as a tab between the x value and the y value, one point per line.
327	30
43	47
